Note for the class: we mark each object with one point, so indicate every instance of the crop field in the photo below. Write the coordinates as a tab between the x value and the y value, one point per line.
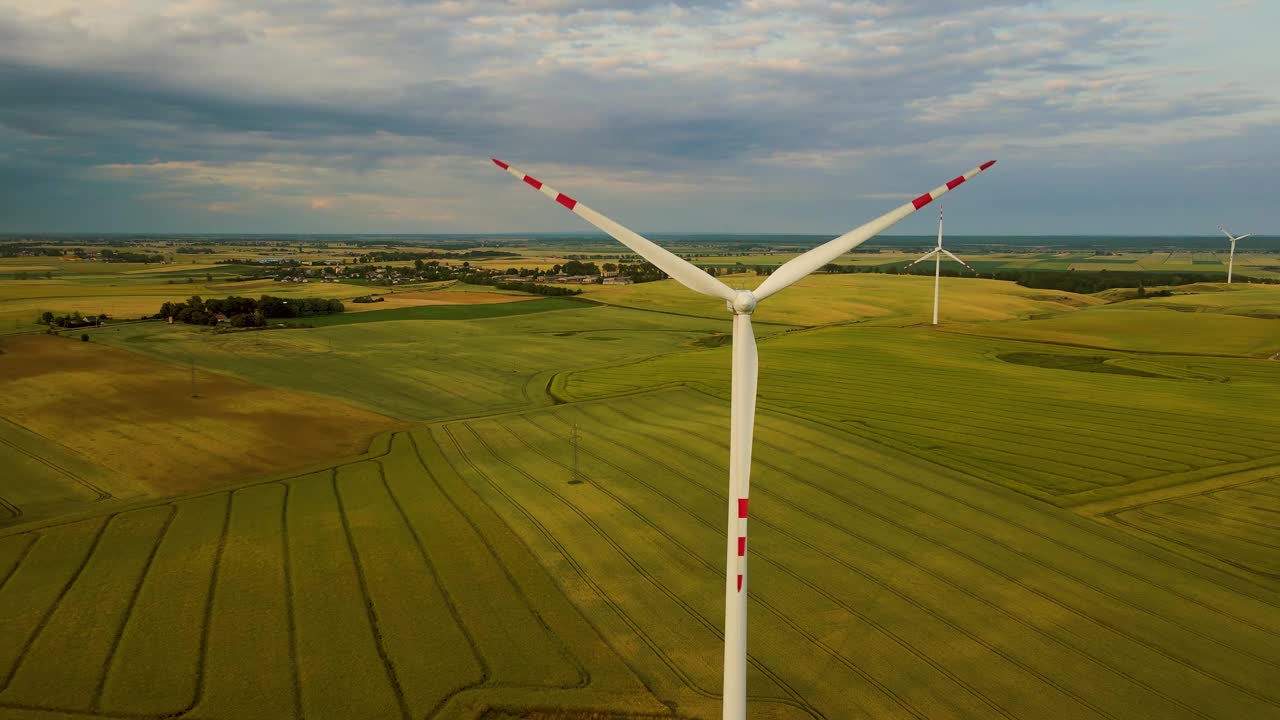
97	423
462	362
1231	524
865	298
882	586
1153	326
1052	432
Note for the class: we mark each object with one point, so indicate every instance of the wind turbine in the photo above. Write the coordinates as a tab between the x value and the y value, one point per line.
1231	263
937	254
741	303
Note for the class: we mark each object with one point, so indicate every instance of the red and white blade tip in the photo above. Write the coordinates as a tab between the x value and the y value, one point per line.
929	197
537	184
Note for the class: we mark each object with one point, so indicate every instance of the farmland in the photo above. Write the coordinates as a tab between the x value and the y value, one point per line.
1051	506
98	424
883	586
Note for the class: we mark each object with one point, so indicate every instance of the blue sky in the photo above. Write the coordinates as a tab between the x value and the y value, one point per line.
700	115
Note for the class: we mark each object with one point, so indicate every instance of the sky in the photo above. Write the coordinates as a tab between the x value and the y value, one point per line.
755	116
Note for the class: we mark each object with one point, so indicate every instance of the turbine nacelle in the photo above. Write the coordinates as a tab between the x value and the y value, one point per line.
743	303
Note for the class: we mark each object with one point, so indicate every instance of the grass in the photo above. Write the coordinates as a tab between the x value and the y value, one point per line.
1145	326
882	584
97	423
1065	437
461	311
1077	363
891	300
424	370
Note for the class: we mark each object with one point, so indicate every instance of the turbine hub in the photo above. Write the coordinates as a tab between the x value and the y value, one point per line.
744	303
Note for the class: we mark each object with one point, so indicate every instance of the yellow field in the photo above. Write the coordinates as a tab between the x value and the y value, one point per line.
420	298
1129	326
99	401
873	298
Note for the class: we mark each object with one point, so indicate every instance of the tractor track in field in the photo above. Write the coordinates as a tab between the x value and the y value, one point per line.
1173	657
962	590
796	699
1084	525
44	620
372	617
604	638
1158	524
291	623
96	699
102	494
1019	553
714	570
17	562
487	682
446	595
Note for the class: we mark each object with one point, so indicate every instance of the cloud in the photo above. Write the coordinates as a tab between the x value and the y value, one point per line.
383	111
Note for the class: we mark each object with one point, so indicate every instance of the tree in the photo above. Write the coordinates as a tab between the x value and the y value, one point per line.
46	318
84	337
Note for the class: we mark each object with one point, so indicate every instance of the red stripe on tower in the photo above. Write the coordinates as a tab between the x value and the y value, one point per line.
742	547
566	201
952	184
986	164
739	583
499	163
535	183
923	200
742	508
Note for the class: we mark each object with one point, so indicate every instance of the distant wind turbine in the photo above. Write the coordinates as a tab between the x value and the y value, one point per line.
937	254
1231	263
743	386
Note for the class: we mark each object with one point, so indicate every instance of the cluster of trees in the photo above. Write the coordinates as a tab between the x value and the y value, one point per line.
368	299
73	320
108	255
26	250
392	256
550	290
245	312
189	250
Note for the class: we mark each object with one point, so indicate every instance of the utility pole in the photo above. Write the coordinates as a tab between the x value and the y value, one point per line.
575	479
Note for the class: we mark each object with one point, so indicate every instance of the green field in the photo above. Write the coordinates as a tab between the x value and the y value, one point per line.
883	585
1064	436
425	370
1051	506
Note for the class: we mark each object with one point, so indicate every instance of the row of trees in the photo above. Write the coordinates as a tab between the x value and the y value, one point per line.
246	312
72	320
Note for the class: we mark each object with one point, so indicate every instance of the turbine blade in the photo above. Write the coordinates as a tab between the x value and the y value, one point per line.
1224	232
1244	236
924	257
825	253
681	270
741	425
953	257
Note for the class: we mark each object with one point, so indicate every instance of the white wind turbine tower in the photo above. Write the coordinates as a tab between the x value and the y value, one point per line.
937	254
1231	263
740	303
